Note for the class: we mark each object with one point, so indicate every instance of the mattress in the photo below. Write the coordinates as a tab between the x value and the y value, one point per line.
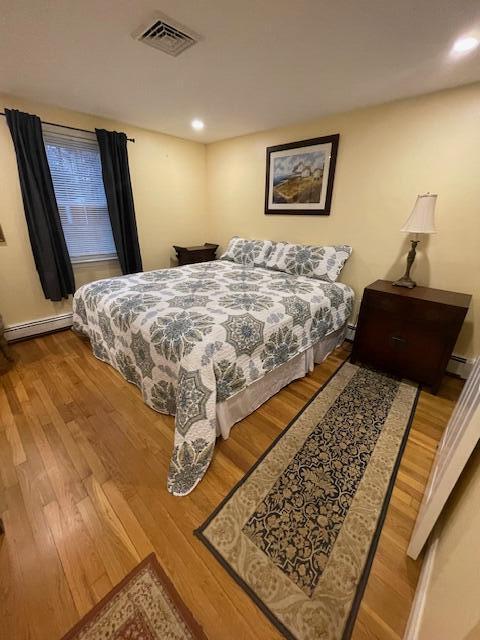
192	337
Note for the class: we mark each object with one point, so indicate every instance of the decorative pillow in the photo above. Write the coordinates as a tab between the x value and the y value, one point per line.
251	253
323	263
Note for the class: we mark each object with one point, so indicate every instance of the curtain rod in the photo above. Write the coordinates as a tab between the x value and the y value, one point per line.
64	126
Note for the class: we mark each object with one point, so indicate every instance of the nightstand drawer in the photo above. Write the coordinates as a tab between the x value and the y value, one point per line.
375	303
416	310
401	346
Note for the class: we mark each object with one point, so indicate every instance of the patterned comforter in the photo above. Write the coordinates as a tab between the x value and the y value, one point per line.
192	336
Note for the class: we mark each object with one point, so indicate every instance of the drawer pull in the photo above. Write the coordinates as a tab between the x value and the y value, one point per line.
399	340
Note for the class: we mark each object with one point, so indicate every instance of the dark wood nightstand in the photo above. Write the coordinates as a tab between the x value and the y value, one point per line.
409	332
191	255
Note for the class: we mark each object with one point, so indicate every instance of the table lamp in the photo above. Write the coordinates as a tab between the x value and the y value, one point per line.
421	220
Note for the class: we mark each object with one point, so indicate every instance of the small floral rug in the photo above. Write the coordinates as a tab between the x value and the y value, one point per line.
144	606
300	530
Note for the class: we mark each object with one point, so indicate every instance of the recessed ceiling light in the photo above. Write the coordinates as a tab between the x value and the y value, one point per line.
463	45
197	124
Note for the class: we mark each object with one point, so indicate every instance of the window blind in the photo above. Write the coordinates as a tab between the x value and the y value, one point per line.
77	180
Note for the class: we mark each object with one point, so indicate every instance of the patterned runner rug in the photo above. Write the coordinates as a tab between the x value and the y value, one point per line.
144	606
300	530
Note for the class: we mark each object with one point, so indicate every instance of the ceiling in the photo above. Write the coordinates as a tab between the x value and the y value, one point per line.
261	63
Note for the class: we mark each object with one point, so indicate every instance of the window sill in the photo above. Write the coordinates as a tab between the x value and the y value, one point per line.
93	259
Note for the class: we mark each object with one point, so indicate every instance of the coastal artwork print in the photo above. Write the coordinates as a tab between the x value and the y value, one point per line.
300	176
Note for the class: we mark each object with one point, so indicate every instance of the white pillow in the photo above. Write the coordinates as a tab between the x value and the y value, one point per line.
251	253
323	263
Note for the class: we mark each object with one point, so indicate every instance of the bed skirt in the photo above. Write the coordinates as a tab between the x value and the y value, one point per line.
249	399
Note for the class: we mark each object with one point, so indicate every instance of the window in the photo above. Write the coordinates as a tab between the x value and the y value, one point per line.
77	180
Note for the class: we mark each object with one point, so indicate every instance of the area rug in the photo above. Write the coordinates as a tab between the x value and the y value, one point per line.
144	606
300	530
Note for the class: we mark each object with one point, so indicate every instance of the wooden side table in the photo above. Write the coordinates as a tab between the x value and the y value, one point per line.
200	253
409	332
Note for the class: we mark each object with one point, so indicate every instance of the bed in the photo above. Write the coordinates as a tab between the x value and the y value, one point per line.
210	342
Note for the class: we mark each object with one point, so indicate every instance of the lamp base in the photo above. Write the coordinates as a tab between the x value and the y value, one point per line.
405	282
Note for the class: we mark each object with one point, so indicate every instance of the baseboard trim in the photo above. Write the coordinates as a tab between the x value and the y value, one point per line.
418	606
23	330
458	365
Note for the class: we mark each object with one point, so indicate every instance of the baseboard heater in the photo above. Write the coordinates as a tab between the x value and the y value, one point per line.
33	328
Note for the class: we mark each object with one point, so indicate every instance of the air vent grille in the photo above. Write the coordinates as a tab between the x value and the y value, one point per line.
167	35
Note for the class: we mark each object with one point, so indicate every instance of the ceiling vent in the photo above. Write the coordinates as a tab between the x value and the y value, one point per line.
166	34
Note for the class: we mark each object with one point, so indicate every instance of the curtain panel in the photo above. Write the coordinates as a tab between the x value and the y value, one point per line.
118	189
41	212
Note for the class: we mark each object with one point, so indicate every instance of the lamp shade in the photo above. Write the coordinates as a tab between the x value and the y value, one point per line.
422	218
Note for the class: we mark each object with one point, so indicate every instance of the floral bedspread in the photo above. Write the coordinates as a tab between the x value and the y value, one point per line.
192	336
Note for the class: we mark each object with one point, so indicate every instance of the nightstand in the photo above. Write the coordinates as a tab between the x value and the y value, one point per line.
191	255
409	332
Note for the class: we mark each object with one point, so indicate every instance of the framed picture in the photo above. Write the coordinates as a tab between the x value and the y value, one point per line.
300	177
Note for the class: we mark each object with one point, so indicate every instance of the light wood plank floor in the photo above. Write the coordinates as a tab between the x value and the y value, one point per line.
83	466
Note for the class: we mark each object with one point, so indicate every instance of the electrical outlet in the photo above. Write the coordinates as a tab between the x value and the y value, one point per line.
2	236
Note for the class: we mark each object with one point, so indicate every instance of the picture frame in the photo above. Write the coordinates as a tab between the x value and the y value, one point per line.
300	176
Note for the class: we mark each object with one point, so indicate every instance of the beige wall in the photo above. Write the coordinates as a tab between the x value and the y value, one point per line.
452	610
169	188
387	155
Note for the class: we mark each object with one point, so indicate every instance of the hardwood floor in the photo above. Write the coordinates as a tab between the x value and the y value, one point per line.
83	466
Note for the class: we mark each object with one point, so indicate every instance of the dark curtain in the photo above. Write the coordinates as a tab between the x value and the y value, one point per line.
43	220
118	189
